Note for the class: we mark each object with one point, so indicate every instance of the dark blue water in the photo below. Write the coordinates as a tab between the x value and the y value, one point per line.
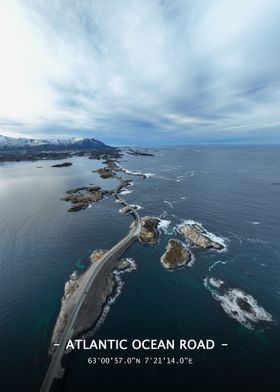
233	191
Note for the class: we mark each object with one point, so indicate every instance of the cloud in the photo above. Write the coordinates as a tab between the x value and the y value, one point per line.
141	71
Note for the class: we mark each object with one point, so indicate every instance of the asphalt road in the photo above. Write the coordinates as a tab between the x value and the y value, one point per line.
55	369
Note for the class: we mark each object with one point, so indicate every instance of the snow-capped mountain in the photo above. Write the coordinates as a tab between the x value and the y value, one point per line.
75	143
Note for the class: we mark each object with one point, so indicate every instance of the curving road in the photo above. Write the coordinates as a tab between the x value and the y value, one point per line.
55	369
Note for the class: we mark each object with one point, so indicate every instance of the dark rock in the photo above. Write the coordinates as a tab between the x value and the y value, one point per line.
123	265
94	188
126	210
107	193
176	255
149	233
77	207
140	153
67	198
198	236
244	305
75	190
64	164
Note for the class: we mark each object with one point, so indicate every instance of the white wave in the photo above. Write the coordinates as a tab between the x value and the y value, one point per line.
131	172
186	174
221	240
119	283
132	266
74	275
229	301
257	241
164	178
216	282
169	203
183	198
125	210
238	237
217	262
164	225
148	175
130	184
128	171
136	173
190	173
126	191
192	260
163	214
255	223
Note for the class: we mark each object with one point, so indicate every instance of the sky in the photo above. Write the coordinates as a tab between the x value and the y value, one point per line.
141	71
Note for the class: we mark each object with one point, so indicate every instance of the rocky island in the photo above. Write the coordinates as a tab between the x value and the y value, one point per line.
149	230
130	151
82	197
64	164
198	236
176	255
105	172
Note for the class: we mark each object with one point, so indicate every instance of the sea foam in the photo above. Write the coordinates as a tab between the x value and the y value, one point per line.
229	302
164	225
119	283
221	240
126	191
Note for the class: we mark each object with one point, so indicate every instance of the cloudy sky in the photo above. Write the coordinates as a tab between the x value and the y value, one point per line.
141	71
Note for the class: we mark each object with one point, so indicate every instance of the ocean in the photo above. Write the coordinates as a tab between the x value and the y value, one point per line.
233	191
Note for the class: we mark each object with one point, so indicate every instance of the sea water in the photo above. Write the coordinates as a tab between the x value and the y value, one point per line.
233	191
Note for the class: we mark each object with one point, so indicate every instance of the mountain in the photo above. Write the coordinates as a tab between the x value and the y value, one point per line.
8	144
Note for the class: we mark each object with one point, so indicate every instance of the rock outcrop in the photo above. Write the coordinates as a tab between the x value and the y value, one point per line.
81	200
123	265
75	190
139	153
176	255
245	306
77	207
105	172
149	232
198	236
94	188
64	164
123	184
87	198
97	255
125	210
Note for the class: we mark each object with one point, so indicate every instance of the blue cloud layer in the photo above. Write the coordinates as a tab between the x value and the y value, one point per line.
143	71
